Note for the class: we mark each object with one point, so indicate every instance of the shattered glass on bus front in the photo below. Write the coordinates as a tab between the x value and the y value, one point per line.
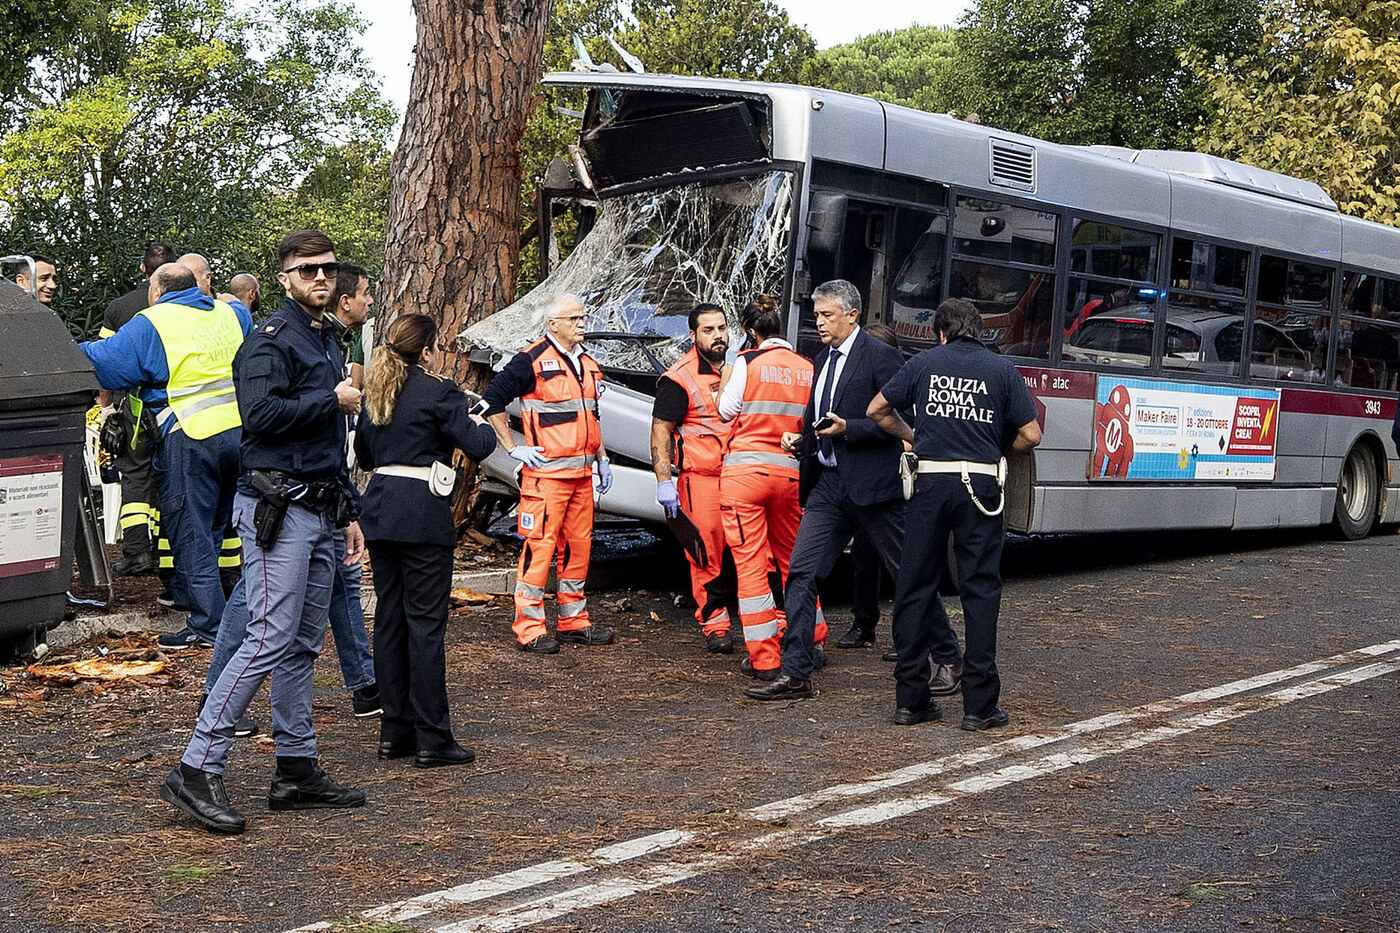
650	258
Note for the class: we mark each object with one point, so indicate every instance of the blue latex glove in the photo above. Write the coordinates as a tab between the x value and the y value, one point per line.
668	498
604	476
530	456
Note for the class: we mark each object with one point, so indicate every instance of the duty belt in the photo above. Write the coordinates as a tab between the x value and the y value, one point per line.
439	476
424	473
961	466
966	468
316	494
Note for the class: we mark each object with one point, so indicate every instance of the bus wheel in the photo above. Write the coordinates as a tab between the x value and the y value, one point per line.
1358	491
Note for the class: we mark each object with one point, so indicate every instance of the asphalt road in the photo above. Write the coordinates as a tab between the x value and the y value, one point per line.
1204	737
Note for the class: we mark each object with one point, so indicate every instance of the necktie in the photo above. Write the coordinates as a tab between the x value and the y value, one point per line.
828	451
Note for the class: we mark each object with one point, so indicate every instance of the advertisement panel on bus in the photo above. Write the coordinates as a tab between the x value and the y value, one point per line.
1150	429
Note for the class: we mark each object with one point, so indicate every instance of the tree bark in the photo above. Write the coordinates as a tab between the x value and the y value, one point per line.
453	243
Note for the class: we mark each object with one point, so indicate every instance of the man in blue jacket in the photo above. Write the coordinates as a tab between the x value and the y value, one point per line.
184	345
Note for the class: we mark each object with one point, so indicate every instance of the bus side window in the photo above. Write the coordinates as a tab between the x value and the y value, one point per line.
920	247
1292	320
1017	301
1368	336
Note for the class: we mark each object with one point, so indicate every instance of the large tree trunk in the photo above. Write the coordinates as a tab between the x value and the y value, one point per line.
453	241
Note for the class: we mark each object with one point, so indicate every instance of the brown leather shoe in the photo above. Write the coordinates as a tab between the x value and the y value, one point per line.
946	679
784	688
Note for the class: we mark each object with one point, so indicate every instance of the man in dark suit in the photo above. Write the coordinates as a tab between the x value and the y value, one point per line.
849	479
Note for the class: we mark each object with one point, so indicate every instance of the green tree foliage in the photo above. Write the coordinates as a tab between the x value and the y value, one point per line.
717	38
209	125
1317	97
914	67
1114	72
31	28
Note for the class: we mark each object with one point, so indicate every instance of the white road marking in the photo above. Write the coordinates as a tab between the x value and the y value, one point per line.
927	769
617	853
529	877
551	907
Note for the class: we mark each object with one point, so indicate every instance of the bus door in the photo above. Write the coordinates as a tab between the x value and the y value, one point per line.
894	255
847	240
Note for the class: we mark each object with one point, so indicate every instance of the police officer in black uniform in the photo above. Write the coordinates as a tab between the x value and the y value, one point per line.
294	493
970	406
413	420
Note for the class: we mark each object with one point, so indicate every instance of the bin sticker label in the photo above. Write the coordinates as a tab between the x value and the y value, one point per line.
31	514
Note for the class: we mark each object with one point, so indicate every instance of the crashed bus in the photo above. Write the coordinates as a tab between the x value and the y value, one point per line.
1209	345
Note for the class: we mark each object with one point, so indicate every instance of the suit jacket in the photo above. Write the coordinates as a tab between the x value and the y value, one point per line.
866	457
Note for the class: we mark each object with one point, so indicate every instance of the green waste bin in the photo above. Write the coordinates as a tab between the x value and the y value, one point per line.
46	388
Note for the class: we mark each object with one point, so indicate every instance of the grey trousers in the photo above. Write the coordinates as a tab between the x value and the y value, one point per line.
289	592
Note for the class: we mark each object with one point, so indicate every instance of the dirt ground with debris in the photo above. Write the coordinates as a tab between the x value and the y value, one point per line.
1282	820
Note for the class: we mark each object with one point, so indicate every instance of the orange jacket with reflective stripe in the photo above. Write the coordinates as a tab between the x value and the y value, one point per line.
560	413
777	385
701	435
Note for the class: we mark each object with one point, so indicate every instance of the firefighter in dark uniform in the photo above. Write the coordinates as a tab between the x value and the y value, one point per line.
294	493
970	406
412	421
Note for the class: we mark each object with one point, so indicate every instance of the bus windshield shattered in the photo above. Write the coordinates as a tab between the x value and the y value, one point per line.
652	256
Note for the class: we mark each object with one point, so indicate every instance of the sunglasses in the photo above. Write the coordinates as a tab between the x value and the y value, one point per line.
308	270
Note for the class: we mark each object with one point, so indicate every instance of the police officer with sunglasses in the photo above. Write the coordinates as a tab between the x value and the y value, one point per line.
294	494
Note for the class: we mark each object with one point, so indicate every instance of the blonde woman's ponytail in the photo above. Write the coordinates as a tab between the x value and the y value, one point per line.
408	337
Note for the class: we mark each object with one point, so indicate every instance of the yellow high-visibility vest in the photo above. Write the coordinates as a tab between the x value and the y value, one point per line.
199	349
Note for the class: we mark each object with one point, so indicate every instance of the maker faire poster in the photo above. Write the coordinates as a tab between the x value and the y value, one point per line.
1152	430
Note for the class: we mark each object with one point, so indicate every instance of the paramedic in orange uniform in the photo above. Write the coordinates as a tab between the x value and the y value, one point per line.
765	394
558	385
687	445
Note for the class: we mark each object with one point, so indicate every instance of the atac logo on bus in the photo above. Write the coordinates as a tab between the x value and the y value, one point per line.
1157	430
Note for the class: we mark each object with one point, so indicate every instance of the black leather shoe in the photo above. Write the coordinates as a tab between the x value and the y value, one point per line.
996	720
542	645
746	665
819	658
890	655
588	635
912	717
365	702
202	796
453	754
946	679
784	688
391	750
856	637
318	792
135	565
719	643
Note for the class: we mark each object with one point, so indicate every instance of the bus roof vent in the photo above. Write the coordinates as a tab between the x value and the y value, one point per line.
1225	172
1012	165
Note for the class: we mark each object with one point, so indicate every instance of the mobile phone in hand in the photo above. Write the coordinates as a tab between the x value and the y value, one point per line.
822	423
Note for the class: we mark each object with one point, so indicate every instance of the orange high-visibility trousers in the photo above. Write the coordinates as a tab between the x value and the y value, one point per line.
556	521
699	495
760	515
